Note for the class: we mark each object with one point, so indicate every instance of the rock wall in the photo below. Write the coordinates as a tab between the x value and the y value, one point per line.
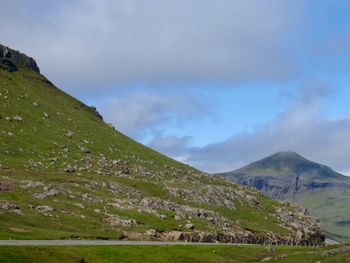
238	237
10	60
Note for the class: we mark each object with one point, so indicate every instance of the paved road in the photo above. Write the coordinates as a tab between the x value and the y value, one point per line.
97	243
113	243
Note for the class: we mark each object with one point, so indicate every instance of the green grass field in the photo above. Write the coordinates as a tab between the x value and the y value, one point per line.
173	253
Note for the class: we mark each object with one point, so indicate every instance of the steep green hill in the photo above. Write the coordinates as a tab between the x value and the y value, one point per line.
64	173
288	176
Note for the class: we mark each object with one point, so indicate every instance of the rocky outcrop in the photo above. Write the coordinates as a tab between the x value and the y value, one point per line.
10	60
8	207
238	236
115	221
43	209
6	187
152	205
95	112
48	191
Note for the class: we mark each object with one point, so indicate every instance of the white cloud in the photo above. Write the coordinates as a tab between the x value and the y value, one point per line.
299	128
97	43
174	145
142	112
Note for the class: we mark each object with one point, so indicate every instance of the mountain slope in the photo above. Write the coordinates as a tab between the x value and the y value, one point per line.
64	173
289	176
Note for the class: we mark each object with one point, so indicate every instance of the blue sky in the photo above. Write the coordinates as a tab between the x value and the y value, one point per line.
213	84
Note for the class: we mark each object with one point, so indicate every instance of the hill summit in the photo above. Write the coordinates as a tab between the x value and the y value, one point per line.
288	163
65	173
291	177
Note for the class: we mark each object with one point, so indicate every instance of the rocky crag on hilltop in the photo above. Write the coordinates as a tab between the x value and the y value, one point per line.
11	59
65	173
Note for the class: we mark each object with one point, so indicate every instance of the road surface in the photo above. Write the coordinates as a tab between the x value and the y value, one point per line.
97	243
115	243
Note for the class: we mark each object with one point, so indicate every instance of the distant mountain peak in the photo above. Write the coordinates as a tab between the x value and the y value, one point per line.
281	159
287	155
286	175
287	163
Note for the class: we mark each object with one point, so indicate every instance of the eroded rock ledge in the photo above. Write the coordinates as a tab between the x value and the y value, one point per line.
239	237
10	60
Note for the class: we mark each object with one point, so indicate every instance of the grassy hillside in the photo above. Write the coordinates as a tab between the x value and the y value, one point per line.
288	176
64	173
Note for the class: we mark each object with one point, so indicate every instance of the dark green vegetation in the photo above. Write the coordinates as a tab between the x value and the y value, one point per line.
64	173
174	253
288	176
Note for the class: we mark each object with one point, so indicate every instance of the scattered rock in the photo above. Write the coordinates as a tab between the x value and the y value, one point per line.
115	221
189	226
163	216
18	118
69	134
7	207
49	190
151	232
69	169
178	218
6	187
43	209
85	150
30	184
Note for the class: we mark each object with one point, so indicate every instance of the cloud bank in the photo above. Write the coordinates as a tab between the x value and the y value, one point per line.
94	47
299	128
103	43
140	113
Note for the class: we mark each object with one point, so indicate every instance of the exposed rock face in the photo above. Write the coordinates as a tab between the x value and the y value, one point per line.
286	174
11	59
43	209
6	207
115	221
94	110
5	187
49	190
241	237
151	205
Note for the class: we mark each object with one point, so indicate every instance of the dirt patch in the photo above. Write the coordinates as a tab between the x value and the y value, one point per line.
20	230
6	187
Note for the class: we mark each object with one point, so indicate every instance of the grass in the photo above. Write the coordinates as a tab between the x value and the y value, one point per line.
19	90
169	254
67	222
